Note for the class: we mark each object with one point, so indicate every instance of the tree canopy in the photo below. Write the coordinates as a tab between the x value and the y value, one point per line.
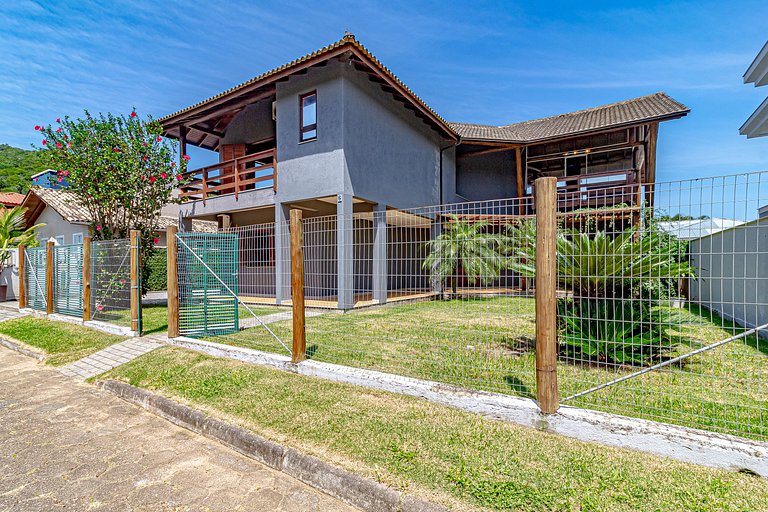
17	167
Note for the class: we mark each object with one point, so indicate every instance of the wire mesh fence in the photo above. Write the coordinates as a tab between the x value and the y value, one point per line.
660	301
111	281
661	293
35	277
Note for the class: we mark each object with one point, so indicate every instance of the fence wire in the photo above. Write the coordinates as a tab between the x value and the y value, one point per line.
68	279
664	302
111	281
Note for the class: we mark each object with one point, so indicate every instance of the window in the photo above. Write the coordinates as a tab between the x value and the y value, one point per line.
308	116
77	238
59	240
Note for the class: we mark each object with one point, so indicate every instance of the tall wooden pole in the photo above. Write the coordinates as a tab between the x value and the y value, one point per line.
86	278
173	282
546	295
298	353
519	171
135	242
49	276
22	283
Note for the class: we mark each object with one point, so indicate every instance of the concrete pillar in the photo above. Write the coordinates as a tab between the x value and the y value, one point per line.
380	253
345	251
435	230
282	254
185	224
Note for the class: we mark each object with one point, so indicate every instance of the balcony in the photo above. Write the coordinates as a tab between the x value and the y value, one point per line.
250	172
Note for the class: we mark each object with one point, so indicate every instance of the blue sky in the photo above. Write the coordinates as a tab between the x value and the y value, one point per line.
485	62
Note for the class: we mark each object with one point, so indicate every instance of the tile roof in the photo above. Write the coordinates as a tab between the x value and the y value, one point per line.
347	40
66	204
11	199
656	106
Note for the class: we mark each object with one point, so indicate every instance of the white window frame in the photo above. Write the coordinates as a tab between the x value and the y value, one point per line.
59	240
74	238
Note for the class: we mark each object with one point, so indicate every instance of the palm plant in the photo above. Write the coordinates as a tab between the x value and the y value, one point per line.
601	322
468	246
13	233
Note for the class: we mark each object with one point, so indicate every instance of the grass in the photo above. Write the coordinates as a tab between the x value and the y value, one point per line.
155	316
62	342
459	459
486	344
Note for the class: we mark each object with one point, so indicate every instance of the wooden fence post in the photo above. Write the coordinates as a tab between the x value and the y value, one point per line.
173	282
546	295
135	242
22	284
298	353
86	278
49	245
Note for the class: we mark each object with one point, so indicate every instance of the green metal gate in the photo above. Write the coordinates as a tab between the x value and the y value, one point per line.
34	277
207	267
68	280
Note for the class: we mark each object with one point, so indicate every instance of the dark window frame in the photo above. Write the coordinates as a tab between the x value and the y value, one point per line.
304	129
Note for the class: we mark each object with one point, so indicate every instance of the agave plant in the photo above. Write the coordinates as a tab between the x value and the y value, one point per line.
13	233
468	246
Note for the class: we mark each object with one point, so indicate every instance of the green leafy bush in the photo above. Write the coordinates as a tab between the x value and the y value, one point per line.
156	269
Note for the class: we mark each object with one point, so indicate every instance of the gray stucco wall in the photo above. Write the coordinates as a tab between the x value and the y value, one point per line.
252	124
55	225
491	176
732	273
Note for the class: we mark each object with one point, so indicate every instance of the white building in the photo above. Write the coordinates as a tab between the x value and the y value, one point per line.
757	124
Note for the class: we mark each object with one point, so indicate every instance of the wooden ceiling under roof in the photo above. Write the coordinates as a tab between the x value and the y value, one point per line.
205	123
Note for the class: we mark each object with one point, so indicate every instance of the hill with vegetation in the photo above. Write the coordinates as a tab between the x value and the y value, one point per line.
16	168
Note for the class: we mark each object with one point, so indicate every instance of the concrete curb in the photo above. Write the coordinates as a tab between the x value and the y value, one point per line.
21	349
93	324
355	490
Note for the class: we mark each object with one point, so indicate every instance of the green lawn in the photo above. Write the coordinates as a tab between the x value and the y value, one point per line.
459	459
486	344
62	341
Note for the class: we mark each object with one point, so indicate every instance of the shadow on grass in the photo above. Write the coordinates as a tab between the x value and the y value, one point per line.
516	385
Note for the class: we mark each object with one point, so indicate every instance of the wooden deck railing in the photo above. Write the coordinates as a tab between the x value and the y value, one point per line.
598	189
250	172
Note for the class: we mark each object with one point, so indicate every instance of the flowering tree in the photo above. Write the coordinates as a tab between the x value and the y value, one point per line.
120	168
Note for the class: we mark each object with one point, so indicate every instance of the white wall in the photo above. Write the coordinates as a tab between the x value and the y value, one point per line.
10	276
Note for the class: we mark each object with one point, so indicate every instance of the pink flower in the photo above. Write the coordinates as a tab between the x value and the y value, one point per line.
58	144
45	142
66	137
65	173
159	139
145	144
152	179
156	240
58	130
133	114
163	175
116	150
186	157
122	281
179	177
99	307
69	144
173	164
98	228
61	179
145	157
58	119
37	127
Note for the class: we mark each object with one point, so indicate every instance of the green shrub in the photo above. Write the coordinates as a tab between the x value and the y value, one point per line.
156	278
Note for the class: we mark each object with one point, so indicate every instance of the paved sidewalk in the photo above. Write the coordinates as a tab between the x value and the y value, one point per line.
112	356
66	445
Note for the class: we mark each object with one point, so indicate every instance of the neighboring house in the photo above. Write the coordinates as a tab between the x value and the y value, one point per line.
757	124
336	132
67	221
697	228
10	199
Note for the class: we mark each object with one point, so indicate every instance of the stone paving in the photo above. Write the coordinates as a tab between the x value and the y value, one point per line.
112	356
66	445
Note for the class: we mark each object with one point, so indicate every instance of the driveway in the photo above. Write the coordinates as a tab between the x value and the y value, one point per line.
68	446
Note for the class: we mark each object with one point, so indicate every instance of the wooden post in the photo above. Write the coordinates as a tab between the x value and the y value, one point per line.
22	284
135	242
298	353
519	171
86	278
49	245
546	295
173	282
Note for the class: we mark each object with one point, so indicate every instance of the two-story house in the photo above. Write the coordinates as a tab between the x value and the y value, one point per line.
336	132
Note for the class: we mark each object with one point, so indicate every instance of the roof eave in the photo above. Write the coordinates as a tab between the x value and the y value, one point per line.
757	73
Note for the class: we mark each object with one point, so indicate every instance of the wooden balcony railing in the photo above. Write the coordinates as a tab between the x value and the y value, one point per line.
250	172
597	190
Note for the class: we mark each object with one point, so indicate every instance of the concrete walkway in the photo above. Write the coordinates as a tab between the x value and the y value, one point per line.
65	445
112	356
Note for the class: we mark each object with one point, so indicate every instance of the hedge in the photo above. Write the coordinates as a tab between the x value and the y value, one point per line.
156	269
